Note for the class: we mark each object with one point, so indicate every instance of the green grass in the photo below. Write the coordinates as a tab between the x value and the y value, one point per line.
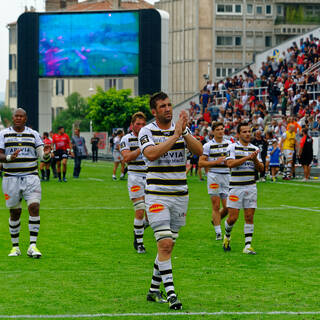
89	265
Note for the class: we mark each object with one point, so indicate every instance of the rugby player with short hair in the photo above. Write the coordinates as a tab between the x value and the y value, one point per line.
214	158
243	160
288	145
117	157
163	143
20	148
130	151
62	149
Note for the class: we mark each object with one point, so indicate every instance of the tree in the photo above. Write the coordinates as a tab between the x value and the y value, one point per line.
114	108
6	116
74	114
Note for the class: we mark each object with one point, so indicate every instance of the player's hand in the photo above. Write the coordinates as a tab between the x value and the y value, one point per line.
221	160
178	129
15	154
253	155
72	154
184	116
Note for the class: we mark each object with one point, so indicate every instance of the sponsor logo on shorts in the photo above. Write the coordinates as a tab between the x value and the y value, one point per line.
157	207
214	186
233	198
135	188
6	196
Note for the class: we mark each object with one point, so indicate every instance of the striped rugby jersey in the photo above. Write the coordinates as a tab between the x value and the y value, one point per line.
166	176
243	175
138	166
214	150
27	141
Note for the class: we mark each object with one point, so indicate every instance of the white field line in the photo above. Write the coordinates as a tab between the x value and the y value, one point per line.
95	179
300	208
174	314
300	185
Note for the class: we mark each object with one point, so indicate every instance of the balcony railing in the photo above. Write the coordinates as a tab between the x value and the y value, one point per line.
304	20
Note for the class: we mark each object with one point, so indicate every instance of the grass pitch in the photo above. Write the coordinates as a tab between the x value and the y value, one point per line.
89	265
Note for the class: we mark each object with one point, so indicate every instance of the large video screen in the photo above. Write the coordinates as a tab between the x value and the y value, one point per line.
89	44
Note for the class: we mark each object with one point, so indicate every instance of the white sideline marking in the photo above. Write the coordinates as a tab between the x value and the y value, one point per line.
300	208
95	179
175	314
299	185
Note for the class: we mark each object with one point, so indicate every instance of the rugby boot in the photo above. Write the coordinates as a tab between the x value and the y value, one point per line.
33	252
156	296
226	244
14	252
174	303
249	250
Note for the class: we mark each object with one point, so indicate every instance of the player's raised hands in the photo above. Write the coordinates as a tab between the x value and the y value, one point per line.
253	155
179	126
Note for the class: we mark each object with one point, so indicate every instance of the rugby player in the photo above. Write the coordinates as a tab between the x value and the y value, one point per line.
117	157
288	144
163	143
214	158
130	151
62	149
20	147
243	160
45	165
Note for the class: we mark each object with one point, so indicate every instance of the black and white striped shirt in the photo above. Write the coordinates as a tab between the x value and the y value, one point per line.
138	166
214	150
166	176
27	141
243	175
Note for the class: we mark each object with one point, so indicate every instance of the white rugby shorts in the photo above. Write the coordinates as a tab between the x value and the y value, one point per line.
17	188
136	186
117	157
288	154
172	209
218	184
242	197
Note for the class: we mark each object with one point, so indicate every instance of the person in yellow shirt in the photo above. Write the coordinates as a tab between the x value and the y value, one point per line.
288	146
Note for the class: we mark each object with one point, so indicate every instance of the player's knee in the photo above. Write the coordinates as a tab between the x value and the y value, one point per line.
139	205
166	245
33	202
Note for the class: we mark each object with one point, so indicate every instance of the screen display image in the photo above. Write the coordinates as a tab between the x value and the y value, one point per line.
89	44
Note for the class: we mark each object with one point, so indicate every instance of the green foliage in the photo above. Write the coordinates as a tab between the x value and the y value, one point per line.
74	114
6	116
114	108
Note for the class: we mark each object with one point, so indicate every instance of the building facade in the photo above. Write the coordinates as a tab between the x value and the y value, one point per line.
211	39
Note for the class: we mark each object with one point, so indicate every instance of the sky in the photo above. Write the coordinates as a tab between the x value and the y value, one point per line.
10	10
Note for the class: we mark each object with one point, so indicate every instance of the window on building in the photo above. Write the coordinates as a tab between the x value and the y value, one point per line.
268	9
229	9
237	41
259	9
218	72
224	41
229	71
268	41
223	72
110	83
249	9
12	61
59	87
238	8
279	10
13	89
136	86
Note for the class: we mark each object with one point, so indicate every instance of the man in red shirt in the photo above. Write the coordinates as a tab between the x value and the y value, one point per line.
62	144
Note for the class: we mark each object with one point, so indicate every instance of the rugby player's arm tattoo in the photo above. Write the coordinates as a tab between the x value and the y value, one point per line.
130	155
153	153
193	145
